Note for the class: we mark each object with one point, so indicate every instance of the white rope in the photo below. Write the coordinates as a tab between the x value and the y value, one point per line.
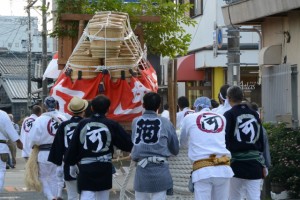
129	40
94	37
102	67
126	180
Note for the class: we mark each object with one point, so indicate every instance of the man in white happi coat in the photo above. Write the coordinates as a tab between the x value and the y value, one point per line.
183	104
224	104
26	126
42	134
7	132
62	141
204	134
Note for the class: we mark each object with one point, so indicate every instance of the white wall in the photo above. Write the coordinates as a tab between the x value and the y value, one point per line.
206	59
202	36
181	89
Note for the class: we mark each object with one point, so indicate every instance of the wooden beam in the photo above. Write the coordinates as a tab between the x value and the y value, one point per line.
86	17
172	90
140	33
76	17
146	18
80	28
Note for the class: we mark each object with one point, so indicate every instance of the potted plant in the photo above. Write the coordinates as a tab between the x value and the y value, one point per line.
285	156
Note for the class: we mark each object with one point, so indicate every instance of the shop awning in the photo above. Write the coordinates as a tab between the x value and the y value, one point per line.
186	69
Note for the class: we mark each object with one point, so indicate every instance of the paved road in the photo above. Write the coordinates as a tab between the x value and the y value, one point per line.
14	187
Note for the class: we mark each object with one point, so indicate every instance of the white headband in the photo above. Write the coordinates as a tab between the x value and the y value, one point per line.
222	96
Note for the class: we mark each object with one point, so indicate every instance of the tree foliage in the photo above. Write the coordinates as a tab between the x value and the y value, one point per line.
167	37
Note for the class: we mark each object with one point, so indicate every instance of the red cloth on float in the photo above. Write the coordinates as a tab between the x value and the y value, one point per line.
126	96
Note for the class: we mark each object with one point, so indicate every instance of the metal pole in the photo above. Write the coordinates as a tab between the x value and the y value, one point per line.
44	48
233	56
30	4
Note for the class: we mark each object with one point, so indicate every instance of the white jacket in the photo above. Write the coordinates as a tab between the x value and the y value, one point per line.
26	127
204	134
7	131
43	132
181	114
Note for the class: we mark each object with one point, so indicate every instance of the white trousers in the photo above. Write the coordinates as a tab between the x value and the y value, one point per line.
214	188
2	174
60	183
48	178
151	196
90	195
240	188
72	190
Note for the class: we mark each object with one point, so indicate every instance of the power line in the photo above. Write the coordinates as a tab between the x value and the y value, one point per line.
14	37
12	30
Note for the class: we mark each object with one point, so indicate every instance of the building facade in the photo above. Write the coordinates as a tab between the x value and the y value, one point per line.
279	58
14	63
13	84
14	34
201	72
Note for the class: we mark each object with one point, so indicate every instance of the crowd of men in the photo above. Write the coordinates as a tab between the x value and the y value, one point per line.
226	145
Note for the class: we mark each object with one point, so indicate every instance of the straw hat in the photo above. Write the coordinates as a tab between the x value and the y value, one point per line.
77	105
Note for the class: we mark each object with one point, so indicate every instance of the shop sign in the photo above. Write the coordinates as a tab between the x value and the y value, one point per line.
248	86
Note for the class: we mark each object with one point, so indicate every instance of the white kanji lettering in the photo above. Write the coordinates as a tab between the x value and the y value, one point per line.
139	90
94	136
68	135
247	127
66	91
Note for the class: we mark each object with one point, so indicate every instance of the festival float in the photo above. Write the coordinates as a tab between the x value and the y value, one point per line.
108	59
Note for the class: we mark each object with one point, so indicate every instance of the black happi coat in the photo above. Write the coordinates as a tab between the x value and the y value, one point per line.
62	142
96	137
244	133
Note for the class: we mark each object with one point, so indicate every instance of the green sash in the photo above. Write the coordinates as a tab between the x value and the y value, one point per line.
248	155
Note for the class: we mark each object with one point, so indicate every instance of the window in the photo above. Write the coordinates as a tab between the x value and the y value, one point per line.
197	8
195	89
40	45
9	45
16	44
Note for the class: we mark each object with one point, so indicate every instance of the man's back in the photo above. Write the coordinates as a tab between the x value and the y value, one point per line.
244	139
206	131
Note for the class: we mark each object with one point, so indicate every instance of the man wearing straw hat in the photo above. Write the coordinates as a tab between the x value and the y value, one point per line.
42	135
91	148
204	134
61	143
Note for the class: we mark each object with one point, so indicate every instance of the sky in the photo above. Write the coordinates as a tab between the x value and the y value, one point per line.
16	8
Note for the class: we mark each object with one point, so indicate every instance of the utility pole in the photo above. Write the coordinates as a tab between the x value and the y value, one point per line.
233	56
29	5
44	48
